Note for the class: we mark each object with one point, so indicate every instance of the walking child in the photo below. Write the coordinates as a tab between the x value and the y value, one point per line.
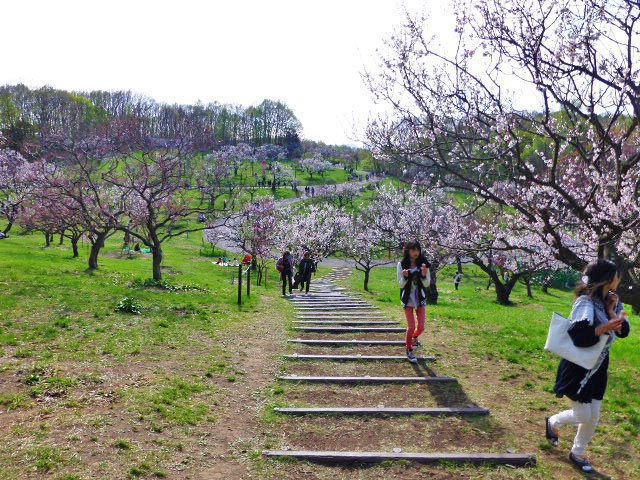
413	275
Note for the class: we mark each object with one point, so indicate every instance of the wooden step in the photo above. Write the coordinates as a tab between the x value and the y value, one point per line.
354	358
346	342
321	308
296	378
515	459
333	315
346	322
331	304
382	411
351	329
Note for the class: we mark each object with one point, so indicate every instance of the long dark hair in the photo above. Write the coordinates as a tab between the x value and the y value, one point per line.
595	277
406	258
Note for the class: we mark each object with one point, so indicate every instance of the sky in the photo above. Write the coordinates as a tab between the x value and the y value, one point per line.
309	54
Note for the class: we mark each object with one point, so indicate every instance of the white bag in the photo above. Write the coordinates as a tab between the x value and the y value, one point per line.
559	341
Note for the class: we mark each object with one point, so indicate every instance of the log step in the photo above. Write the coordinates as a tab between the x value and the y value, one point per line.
330	315
351	329
347	342
336	308
296	378
354	358
383	411
332	305
346	322
515	459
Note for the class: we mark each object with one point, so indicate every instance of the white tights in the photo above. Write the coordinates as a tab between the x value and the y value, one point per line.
586	415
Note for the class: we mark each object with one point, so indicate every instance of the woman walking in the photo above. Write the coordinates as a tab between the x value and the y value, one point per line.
596	311
413	275
285	267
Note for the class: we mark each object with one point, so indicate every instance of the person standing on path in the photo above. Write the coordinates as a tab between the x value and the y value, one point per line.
597	311
457	280
306	267
285	267
413	275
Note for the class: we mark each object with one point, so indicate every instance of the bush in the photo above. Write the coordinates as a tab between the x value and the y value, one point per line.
164	285
129	305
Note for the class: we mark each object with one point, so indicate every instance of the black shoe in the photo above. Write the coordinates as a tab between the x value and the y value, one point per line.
582	463
552	437
411	356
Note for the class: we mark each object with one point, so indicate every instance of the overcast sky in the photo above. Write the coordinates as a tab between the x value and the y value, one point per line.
309	54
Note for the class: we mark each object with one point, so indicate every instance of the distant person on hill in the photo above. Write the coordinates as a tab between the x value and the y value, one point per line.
285	267
137	247
597	311
225	261
457	280
219	262
313	192
305	269
413	278
235	262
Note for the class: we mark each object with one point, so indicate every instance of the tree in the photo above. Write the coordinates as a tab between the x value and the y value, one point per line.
318	229
18	179
363	242
570	166
315	164
159	204
254	232
79	182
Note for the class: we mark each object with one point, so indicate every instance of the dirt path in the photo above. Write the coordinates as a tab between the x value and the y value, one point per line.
257	349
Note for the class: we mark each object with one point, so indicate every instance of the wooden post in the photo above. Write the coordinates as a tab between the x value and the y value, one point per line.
240	285
249	282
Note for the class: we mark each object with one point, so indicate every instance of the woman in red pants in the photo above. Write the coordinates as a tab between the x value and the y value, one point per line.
413	278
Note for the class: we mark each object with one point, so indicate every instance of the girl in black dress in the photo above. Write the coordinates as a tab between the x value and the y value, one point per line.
596	311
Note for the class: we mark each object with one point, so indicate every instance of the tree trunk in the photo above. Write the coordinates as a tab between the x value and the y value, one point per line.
459	263
529	291
367	272
47	239
157	262
432	293
503	292
630	293
61	239
74	246
96	245
8	227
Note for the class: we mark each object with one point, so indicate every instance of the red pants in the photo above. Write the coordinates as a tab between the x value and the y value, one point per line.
412	330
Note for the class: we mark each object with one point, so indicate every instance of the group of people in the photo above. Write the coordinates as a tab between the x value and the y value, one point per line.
597	311
224	262
295	276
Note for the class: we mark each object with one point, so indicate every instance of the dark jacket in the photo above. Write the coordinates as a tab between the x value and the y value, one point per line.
415	278
569	375
287	264
306	267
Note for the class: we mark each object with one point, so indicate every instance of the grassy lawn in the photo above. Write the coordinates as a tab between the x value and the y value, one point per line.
186	389
87	392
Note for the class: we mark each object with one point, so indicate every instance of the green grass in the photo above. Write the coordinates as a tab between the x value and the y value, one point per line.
65	352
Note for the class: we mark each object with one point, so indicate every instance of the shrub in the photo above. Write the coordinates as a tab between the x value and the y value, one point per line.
164	285
129	305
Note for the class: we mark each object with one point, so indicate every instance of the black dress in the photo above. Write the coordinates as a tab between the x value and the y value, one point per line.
587	314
